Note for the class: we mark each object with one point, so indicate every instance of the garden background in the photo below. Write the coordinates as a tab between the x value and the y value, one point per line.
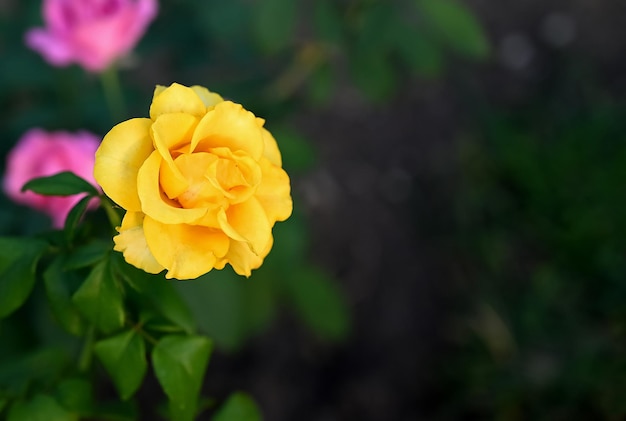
458	243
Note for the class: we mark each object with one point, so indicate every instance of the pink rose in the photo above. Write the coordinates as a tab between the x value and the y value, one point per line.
92	33
40	154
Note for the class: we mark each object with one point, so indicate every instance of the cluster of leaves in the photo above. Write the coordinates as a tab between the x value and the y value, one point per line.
543	213
124	316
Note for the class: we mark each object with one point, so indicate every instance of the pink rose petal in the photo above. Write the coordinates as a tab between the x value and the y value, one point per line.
39	154
91	33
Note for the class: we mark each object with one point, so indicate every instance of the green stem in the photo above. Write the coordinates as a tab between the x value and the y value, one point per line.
113	93
151	339
114	217
87	352
138	327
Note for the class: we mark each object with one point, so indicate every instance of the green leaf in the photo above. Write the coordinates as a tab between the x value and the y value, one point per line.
159	294
40	408
456	26
370	65
375	21
319	302
75	394
60	285
297	152
155	323
422	54
373	73
179	364
43	366
218	305
329	26
274	24
321	83
291	243
87	254
230	309
124	357
18	262
100	299
74	216
62	184
224	21
239	407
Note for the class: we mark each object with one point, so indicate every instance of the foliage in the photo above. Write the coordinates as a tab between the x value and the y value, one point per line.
542	218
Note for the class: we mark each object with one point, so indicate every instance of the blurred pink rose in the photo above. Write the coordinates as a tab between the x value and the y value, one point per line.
92	33
38	154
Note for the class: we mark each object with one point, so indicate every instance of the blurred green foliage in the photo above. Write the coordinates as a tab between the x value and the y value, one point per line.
239	406
542	221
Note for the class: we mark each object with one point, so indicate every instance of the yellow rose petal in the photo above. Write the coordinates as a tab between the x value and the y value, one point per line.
271	151
229	125
209	98
154	203
131	241
176	99
157	91
171	132
274	192
118	159
173	182
187	251
247	222
201	192
236	175
242	259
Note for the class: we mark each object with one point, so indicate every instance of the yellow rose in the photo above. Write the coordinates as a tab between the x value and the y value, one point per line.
201	181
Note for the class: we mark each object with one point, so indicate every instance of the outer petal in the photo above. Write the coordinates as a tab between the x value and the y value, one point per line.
100	38
271	151
145	11
209	98
229	125
247	222
56	16
187	251
39	153
172	131
54	49
158	90
242	259
176	99
131	241
118	159
154	203
274	192
24	162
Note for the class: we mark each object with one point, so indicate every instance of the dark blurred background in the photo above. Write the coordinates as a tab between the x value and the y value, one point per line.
458	247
